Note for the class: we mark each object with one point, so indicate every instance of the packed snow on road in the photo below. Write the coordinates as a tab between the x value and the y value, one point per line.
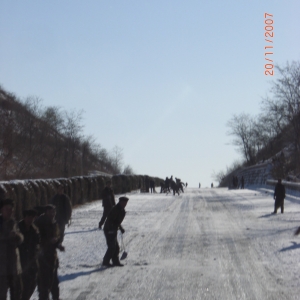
203	244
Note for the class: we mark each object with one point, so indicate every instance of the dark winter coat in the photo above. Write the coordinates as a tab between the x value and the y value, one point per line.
48	230
63	208
30	247
108	198
151	183
279	193
115	218
9	252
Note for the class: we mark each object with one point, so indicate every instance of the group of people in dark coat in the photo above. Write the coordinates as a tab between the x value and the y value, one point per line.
169	184
28	256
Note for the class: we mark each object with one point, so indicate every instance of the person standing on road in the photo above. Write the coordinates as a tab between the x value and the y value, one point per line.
111	227
63	210
108	201
29	253
10	265
279	195
242	182
152	186
48	260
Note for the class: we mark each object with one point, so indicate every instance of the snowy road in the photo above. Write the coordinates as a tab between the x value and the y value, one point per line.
204	244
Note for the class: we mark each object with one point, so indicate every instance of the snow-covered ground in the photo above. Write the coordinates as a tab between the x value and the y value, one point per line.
203	244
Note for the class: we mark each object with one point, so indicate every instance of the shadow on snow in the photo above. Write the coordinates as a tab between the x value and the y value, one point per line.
78	274
294	246
82	231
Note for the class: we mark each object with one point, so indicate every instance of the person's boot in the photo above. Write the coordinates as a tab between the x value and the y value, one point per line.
107	264
118	264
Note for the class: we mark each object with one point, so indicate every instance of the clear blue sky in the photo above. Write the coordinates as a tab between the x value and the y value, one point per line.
160	79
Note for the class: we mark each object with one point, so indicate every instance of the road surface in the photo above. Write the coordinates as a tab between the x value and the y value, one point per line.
203	244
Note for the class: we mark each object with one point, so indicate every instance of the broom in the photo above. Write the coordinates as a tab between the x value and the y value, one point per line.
124	254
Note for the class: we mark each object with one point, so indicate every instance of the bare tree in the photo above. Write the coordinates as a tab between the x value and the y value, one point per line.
219	176
128	170
223	177
283	109
38	142
116	157
72	130
242	128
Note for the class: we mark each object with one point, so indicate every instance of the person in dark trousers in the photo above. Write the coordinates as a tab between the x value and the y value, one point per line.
29	253
167	185
242	182
279	195
63	210
10	266
48	260
162	186
152	186
108	201
111	227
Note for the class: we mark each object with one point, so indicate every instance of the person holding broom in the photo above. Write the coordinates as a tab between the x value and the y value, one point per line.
111	227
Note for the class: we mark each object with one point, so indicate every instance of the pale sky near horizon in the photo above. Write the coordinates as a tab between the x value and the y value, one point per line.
160	79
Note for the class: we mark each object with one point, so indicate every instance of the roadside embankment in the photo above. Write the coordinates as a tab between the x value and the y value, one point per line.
260	175
81	189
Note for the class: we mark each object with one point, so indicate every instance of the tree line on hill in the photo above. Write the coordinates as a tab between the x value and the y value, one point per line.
275	132
48	142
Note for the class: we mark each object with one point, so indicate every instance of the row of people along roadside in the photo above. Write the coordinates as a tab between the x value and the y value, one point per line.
28	248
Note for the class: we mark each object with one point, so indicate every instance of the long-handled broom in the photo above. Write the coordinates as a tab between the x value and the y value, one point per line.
124	254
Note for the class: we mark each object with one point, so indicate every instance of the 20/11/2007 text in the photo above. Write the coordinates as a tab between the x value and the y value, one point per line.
269	34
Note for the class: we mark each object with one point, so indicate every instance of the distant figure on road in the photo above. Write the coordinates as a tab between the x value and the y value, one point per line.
167	184
242	182
152	186
279	195
108	201
235	182
162	186
199	185
212	185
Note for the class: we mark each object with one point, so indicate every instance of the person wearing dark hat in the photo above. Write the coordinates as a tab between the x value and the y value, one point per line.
279	195
48	259
29	252
63	210
111	227
10	266
108	201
